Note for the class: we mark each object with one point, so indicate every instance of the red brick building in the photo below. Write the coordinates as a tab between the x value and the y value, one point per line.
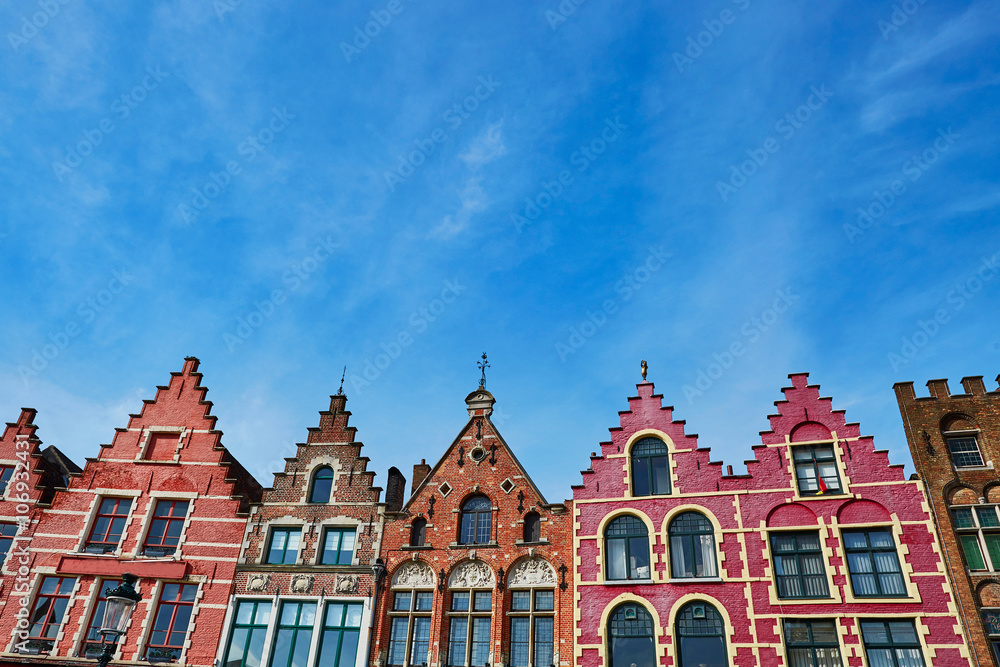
823	554
955	442
165	501
304	582
480	564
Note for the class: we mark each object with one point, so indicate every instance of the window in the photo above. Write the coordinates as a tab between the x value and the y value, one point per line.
294	634
965	452
701	636
469	627
246	642
47	614
873	564
165	529
650	468
108	525
891	644
812	644
338	645
418	533
532	527
816	470
92	643
410	627
173	614
798	565
8	531
531	628
338	546
692	546
284	546
626	549
991	621
630	634
322	485
477	519
6	472
979	534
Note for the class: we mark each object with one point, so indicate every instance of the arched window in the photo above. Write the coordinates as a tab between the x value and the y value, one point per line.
650	468
532	527
692	546
418	532
477	518
322	485
630	633
626	548
701	636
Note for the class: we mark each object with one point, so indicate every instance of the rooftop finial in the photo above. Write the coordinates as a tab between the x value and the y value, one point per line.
340	392
645	367
483	365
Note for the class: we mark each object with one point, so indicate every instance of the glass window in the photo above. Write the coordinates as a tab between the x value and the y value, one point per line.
338	546
816	470
891	644
630	635
531	629
6	472
418	533
798	565
469	628
964	452
338	645
8	531
410	627
626	549
322	485
246	641
92	644
284	546
650	468
476	522
173	614
109	523
692	546
978	530
293	634
873	563
48	611
812	643
701	636
532	527
165	529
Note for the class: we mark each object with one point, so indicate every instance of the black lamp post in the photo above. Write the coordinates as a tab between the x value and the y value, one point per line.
378	572
118	606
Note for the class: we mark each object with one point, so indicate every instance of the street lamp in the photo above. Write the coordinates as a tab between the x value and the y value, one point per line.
118	606
378	572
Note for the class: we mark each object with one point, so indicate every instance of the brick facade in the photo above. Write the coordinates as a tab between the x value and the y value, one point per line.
964	490
705	556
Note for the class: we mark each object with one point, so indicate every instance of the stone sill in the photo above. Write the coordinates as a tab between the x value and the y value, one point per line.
629	582
408	547
472	547
695	580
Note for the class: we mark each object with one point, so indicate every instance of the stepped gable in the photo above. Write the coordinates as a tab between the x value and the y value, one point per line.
50	469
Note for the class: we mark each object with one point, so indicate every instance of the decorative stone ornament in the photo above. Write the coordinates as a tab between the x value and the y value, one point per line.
258	583
347	583
302	583
471	574
531	572
413	574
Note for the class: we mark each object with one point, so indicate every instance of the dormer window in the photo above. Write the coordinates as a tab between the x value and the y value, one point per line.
816	469
322	485
964	452
477	520
650	468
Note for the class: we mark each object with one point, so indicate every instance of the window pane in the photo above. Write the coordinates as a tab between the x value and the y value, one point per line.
421	640
993	548
457	637
964	452
973	554
661	477
543	641
616	559
638	651
425	601
640	476
479	653
520	601
483	600
639	558
519	638
707	651
681	563
401	601
460	601
987	517
397	641
963	518
544	600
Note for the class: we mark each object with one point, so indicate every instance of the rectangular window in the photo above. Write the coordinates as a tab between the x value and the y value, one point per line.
294	634
246	642
284	546
409	633
978	531
420	641
338	546
8	531
873	563
338	646
173	615
165	529
891	644
816	470
458	632
6	472
109	523
531	628
48	611
798	565
964	452
520	641
812	643
92	644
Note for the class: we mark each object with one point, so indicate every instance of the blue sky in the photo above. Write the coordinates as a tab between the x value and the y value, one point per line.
569	187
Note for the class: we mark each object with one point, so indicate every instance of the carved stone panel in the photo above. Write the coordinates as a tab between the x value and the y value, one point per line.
347	583
302	583
258	583
471	574
532	572
413	574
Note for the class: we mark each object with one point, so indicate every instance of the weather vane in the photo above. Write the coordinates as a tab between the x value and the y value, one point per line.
483	365
340	392
645	368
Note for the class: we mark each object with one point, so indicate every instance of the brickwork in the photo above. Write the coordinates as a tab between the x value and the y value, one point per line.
745	514
928	422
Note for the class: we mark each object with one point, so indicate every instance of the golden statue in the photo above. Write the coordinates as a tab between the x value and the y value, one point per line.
645	368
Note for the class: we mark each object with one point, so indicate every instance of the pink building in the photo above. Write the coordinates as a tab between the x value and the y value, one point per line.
822	555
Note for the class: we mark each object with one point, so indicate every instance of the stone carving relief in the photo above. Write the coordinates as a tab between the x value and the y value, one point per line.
258	583
413	574
347	583
532	572
302	583
471	574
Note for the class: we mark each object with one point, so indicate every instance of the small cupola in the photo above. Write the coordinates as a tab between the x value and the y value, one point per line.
480	402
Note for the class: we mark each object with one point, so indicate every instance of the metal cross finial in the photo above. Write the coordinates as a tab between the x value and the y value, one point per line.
340	392
645	368
483	365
